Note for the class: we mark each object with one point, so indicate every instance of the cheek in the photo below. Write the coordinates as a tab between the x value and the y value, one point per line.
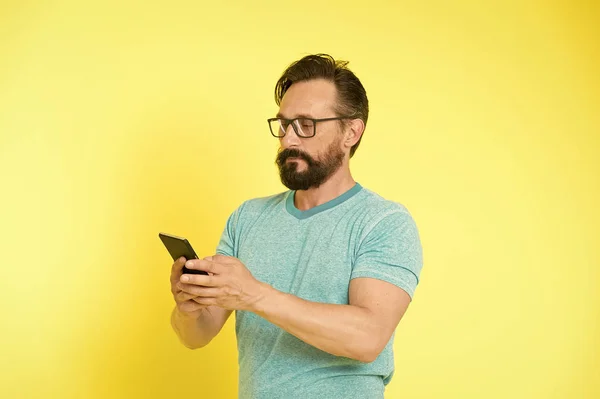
318	148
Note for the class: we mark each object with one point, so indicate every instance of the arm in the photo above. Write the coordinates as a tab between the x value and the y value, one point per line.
195	324
197	330
359	330
383	281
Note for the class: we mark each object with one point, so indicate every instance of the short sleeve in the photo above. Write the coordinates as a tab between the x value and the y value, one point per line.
228	243
392	252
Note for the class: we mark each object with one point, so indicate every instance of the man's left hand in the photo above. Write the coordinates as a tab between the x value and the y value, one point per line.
229	285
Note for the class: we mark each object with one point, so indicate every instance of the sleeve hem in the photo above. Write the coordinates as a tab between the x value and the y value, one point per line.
398	282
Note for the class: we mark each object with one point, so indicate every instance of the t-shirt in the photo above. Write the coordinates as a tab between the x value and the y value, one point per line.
314	254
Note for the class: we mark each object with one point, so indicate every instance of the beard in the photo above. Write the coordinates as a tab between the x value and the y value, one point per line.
317	172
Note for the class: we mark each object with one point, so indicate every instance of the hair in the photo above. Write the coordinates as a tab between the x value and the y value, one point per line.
351	95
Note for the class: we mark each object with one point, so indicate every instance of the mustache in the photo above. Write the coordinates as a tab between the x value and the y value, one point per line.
293	153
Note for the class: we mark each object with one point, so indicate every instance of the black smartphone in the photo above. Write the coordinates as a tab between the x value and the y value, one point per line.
178	247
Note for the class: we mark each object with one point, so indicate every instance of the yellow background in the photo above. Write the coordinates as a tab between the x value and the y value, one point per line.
122	119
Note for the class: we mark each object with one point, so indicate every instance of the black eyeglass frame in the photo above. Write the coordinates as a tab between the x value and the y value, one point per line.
291	121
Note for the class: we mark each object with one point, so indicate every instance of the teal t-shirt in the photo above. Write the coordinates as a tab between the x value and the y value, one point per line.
314	254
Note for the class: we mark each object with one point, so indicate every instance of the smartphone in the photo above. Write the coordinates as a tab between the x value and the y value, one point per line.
178	247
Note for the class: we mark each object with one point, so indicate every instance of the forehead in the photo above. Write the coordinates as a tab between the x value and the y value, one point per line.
314	98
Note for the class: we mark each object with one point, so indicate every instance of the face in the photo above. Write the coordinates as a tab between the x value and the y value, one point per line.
306	163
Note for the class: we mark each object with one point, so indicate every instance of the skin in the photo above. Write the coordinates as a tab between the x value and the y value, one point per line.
359	330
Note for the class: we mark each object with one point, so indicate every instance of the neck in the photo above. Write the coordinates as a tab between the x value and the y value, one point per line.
340	182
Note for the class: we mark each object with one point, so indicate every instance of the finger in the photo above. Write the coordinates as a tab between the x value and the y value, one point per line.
205	265
190	306
175	287
207	293
177	267
199	279
183	296
205	301
218	258
195	290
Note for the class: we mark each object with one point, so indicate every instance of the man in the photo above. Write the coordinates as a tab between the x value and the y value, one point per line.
319	275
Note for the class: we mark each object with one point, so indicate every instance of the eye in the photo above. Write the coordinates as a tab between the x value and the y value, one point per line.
306	123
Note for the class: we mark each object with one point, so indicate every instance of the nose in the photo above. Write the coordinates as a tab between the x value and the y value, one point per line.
290	139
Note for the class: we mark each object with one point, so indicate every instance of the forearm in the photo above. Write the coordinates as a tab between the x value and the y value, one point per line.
342	330
194	332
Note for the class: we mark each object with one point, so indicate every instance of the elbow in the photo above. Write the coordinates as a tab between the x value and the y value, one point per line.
193	345
369	352
368	356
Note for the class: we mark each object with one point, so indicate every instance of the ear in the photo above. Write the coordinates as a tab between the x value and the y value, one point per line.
356	127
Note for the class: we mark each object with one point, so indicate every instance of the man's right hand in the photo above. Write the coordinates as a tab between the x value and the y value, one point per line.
185	302
194	326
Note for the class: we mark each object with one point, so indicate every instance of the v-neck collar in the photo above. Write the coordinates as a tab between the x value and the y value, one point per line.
297	213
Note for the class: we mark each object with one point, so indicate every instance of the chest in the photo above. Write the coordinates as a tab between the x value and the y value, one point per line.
308	259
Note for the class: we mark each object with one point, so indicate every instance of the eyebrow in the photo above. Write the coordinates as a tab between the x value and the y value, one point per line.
280	115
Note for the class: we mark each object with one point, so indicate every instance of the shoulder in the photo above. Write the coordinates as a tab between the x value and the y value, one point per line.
379	207
258	205
382	214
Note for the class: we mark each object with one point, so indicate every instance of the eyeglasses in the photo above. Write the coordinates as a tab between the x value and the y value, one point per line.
304	127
